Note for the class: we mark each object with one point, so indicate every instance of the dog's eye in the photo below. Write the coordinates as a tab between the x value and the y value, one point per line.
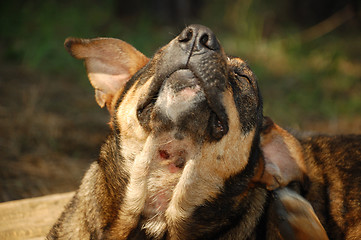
241	75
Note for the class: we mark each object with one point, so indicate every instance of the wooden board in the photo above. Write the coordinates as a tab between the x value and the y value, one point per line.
31	218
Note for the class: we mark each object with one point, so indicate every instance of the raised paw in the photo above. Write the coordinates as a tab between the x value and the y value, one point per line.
296	217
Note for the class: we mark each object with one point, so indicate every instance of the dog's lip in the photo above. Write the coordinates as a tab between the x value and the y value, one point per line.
182	79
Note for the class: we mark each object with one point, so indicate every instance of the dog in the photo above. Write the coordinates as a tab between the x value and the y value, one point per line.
191	156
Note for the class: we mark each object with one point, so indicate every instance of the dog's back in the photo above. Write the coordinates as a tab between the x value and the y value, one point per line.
334	172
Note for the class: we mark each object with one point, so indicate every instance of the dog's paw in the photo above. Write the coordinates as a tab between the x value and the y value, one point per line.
296	217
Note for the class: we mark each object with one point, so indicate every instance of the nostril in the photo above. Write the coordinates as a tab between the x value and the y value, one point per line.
204	39
209	40
186	35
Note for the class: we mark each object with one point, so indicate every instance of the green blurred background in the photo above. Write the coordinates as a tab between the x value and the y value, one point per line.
306	55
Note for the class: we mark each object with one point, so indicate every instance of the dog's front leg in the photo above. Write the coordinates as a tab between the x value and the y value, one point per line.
136	193
296	217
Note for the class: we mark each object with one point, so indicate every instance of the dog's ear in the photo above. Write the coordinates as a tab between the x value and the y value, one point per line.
283	156
110	63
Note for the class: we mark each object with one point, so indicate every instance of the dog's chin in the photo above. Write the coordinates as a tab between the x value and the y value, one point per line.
179	95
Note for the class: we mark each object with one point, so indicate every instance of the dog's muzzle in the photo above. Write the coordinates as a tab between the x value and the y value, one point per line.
190	79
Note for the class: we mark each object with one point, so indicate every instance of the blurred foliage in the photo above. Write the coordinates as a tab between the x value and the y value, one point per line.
315	79
32	33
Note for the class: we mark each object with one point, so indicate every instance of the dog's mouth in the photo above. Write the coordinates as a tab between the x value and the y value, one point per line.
185	102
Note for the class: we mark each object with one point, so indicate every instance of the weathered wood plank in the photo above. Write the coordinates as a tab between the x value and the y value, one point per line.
31	218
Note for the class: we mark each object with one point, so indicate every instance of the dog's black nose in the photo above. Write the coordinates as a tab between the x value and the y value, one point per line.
198	37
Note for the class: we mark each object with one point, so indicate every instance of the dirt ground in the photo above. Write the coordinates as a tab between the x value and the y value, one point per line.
51	130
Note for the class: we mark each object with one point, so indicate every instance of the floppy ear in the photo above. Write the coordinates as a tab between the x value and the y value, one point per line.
110	63
283	156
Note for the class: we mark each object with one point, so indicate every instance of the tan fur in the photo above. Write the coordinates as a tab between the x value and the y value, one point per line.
137	150
129	126
136	193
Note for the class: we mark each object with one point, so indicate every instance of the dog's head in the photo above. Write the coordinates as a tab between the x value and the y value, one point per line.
189	122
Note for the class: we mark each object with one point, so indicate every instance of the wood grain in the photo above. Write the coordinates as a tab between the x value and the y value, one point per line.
31	218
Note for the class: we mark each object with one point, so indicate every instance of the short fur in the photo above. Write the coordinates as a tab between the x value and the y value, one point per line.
190	155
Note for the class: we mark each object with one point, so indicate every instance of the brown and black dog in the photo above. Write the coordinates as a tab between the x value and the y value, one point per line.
190	155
